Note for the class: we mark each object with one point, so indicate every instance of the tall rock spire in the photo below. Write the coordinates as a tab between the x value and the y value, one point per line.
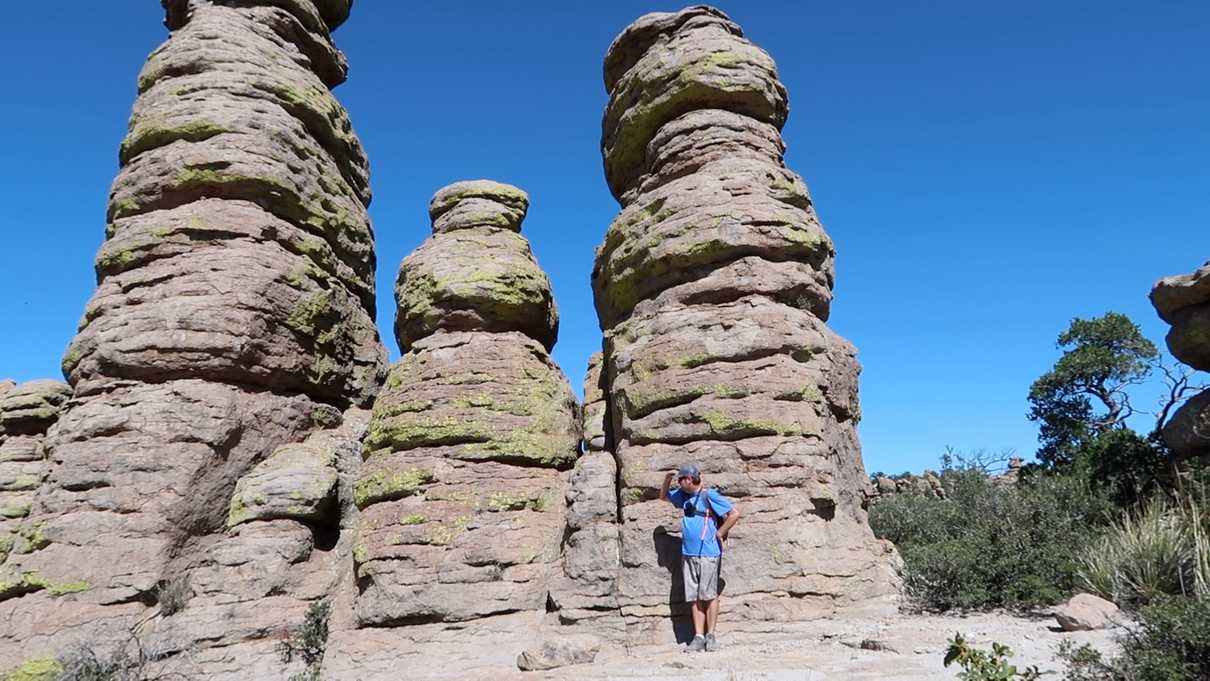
462	490
713	286
233	315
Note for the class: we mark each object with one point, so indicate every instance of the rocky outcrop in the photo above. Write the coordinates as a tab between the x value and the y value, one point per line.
1184	302
27	411
470	440
713	286
234	315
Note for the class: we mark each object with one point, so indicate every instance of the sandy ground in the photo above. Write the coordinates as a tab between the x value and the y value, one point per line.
830	650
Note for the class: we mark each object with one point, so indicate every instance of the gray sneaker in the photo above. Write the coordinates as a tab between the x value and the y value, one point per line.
711	643
697	645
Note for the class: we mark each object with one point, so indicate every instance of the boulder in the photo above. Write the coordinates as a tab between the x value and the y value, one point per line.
1085	612
560	651
297	481
1188	430
1183	301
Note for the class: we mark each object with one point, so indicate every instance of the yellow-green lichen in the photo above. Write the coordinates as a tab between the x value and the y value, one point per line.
403	431
412	519
30	538
529	445
440	535
36	669
311	313
14	509
111	259
29	582
503	501
145	137
71	359
387	485
723	425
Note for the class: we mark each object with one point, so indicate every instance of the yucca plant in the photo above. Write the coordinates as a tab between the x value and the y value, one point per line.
1145	553
1197	517
1098	568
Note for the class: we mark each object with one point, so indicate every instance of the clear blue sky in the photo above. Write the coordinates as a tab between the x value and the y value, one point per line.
987	170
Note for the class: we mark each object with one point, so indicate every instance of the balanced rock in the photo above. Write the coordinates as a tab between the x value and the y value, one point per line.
461	494
713	286
1184	302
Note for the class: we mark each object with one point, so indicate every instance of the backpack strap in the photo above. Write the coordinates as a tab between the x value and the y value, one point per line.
709	513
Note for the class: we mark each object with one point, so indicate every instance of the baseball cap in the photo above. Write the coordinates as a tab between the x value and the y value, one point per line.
689	470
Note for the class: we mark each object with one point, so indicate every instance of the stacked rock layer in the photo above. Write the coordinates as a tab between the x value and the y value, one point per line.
461	494
1184	302
233	315
26	412
712	286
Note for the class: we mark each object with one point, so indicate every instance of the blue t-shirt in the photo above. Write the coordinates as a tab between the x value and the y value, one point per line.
693	506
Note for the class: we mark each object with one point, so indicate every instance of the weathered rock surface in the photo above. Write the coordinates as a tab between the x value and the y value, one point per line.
712	286
1085	612
197	479
1184	302
461	494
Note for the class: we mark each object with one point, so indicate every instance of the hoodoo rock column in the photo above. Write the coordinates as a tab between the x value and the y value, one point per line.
470	440
233	315
713	286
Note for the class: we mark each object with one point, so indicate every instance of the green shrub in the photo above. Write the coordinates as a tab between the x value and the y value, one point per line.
988	545
174	594
310	642
981	665
1171	643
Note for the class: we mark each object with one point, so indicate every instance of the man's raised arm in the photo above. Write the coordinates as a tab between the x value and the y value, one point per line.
664	487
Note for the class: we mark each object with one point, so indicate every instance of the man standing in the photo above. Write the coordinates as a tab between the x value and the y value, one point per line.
702	538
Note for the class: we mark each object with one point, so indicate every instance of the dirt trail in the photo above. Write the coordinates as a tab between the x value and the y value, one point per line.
830	650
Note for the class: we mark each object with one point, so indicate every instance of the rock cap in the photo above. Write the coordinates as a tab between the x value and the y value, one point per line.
478	203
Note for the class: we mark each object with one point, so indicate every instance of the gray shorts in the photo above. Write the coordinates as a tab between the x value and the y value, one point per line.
701	577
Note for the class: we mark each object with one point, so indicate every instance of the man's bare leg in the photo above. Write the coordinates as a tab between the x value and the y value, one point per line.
711	615
698	608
